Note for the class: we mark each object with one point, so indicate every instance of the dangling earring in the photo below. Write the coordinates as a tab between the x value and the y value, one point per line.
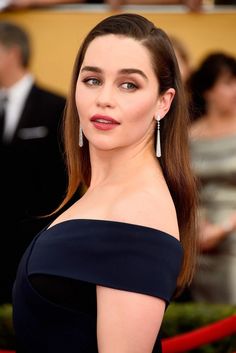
81	140
158	144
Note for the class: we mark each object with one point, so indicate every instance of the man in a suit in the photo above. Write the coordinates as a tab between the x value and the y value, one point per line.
32	176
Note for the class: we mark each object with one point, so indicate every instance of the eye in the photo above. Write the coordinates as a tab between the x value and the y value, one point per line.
91	81
129	86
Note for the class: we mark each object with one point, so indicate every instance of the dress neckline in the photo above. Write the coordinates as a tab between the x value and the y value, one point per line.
50	227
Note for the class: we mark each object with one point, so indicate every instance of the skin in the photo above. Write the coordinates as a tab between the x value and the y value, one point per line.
127	322
115	96
220	121
222	97
11	69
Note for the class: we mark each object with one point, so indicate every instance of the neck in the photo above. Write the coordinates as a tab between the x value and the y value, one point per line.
121	165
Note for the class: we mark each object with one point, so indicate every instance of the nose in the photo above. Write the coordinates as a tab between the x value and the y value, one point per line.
105	96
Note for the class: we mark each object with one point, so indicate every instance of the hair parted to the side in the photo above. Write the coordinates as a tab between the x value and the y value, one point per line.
174	128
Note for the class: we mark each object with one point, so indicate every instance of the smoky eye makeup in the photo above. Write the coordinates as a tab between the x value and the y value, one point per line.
91	81
129	86
128	79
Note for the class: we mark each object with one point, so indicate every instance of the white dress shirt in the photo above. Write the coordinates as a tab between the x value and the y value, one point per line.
16	97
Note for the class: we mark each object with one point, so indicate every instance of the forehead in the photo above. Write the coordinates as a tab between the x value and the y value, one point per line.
2	46
118	51
227	73
225	76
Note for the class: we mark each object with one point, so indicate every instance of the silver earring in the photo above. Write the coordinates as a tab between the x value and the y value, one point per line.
158	144
81	139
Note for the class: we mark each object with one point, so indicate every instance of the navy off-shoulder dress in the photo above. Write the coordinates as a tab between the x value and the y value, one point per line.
54	295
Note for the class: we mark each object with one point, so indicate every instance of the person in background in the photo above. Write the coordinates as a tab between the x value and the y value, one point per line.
183	57
213	152
100	276
32	178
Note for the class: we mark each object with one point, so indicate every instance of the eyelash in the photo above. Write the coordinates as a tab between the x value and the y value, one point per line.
86	81
134	86
90	82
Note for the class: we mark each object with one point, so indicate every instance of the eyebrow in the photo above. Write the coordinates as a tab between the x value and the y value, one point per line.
128	71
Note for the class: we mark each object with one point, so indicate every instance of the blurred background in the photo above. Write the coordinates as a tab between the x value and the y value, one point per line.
57	30
197	28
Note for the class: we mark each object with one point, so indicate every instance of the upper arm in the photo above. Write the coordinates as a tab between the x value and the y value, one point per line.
127	322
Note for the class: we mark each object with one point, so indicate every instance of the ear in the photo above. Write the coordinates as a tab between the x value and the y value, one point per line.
164	102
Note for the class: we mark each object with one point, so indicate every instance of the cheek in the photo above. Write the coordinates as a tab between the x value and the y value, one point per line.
223	92
225	96
142	111
224	99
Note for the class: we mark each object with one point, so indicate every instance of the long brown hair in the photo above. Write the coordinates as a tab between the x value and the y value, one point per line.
174	128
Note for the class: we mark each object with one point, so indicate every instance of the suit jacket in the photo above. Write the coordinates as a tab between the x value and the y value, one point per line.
33	179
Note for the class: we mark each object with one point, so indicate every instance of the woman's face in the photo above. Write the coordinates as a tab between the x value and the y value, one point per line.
222	96
117	93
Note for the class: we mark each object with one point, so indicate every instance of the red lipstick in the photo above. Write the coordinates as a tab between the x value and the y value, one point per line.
104	122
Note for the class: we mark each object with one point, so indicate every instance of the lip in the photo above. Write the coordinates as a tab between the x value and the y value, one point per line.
104	122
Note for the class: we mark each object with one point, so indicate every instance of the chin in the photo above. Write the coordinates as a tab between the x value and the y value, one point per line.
105	147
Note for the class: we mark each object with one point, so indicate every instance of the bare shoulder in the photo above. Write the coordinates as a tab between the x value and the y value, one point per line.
147	207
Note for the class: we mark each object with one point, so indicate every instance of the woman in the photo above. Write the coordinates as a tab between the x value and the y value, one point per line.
100	277
213	151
